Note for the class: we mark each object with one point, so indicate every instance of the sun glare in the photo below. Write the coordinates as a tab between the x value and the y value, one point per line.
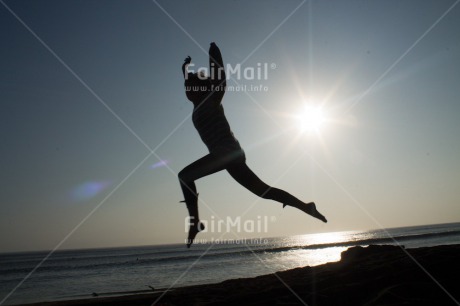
311	119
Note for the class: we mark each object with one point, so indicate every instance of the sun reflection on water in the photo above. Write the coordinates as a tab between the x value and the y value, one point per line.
301	258
311	250
325	238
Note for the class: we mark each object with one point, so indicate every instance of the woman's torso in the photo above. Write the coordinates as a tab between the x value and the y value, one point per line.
212	125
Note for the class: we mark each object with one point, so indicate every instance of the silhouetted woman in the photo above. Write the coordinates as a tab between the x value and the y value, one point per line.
225	152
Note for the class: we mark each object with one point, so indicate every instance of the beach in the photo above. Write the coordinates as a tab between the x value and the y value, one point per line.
372	275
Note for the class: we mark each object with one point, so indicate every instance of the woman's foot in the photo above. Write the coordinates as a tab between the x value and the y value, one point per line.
310	209
193	231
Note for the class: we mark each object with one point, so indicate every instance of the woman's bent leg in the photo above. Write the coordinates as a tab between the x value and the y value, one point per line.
206	165
248	179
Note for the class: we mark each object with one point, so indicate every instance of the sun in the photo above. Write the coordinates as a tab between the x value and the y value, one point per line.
311	119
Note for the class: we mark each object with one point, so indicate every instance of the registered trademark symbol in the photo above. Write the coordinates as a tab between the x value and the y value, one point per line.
272	218
273	66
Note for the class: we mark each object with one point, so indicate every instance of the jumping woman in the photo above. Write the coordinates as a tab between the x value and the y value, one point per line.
225	152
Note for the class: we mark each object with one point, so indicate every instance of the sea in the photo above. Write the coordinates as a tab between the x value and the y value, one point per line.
30	277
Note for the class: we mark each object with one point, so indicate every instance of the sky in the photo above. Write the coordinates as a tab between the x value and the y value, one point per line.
95	124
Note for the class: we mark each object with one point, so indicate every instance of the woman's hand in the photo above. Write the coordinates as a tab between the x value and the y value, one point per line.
187	61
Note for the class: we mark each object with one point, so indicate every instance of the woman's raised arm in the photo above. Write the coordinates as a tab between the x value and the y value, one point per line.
216	66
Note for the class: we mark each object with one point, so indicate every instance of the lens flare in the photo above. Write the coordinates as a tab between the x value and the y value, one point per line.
88	190
161	163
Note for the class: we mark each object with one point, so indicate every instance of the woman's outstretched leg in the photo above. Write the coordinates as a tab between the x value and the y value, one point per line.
243	175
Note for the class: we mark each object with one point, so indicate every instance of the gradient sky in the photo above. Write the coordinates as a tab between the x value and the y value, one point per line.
95	124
